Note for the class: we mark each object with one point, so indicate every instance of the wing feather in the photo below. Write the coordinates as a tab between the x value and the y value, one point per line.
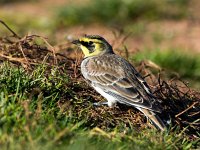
119	78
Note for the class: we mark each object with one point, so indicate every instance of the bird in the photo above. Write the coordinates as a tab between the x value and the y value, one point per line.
116	79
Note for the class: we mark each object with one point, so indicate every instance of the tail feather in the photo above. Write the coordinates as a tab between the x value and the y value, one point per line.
155	119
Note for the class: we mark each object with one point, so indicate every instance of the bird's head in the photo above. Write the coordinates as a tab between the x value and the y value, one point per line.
93	45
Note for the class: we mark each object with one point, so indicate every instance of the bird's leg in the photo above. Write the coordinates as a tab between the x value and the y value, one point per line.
101	103
110	103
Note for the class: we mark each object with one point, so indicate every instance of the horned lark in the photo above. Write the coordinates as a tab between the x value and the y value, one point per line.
115	78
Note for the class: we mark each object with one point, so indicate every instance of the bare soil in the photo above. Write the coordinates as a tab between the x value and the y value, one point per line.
162	34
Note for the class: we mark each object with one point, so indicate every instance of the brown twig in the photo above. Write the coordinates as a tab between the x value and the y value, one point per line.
52	48
20	47
126	52
195	113
14	34
15	59
186	109
76	64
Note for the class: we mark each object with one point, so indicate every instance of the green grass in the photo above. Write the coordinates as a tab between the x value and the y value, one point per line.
185	64
30	117
120	12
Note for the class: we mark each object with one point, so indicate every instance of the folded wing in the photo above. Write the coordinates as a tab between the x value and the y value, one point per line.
118	78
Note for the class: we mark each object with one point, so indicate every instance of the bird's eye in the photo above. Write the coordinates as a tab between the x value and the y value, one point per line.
90	43
87	44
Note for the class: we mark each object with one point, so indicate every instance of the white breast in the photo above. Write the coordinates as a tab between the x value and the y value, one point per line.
111	100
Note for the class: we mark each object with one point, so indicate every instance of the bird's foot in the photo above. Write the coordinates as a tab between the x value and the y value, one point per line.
100	103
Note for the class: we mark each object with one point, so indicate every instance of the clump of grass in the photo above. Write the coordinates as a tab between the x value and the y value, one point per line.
29	112
30	117
185	64
119	11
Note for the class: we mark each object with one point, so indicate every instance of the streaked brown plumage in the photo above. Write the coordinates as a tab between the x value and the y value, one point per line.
116	79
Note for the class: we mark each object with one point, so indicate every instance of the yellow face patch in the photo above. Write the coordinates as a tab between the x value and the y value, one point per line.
91	47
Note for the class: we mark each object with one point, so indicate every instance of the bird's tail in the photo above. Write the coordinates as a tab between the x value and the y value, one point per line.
155	119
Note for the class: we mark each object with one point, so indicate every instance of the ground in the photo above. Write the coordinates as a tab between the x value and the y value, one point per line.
46	104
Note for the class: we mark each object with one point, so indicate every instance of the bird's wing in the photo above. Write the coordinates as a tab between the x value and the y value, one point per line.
118	78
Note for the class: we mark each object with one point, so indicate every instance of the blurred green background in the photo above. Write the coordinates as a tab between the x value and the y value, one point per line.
152	27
